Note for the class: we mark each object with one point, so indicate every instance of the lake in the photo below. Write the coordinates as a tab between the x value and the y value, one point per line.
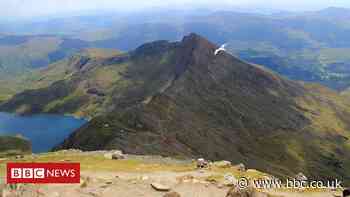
43	130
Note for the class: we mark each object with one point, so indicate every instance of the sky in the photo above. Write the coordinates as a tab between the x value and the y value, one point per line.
35	8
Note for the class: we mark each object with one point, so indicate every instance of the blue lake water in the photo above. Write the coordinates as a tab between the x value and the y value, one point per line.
44	130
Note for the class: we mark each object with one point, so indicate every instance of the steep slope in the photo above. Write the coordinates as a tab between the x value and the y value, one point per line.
65	86
180	99
20	55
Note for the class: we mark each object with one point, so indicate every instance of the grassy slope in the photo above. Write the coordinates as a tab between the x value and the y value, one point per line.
62	75
13	146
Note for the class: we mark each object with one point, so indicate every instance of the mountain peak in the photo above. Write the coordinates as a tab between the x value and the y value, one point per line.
197	41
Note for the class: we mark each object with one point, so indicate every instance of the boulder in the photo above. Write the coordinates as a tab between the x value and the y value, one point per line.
108	155
19	156
115	155
230	180
238	192
241	167
172	194
160	187
202	163
246	192
222	164
300	177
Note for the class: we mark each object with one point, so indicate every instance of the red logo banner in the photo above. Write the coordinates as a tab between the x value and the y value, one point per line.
43	173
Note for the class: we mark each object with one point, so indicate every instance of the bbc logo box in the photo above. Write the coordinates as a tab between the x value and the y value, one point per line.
43	173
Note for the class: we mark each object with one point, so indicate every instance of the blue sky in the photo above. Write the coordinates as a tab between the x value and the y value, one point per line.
31	8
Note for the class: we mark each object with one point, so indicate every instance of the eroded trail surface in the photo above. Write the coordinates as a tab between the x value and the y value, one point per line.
147	176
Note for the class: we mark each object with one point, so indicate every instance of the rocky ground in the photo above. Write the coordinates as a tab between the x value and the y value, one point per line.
105	174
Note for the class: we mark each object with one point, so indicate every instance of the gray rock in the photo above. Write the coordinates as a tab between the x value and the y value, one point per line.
300	177
246	192
241	167
115	155
202	163
160	187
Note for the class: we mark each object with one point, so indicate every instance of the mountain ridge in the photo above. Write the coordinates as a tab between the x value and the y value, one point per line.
180	99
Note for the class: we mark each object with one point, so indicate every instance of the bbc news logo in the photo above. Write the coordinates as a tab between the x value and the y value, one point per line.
43	173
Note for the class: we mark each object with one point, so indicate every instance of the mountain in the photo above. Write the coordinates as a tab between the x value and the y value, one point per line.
21	54
63	84
333	13
310	46
179	99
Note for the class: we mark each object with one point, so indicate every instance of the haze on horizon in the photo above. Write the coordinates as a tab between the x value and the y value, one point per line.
27	9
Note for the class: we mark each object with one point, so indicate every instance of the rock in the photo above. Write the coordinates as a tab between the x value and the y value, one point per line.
230	180
83	183
300	177
220	185
223	164
108	155
202	163
160	187
246	192
185	178
337	194
19	157
241	167
115	155
172	194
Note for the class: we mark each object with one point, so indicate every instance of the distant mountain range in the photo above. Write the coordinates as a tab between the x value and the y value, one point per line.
309	46
180	99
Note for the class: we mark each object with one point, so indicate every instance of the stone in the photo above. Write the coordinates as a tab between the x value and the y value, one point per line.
19	156
300	177
202	163
241	167
250	191
230	180
238	192
222	164
108	155
172	194
115	155
118	155
160	187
